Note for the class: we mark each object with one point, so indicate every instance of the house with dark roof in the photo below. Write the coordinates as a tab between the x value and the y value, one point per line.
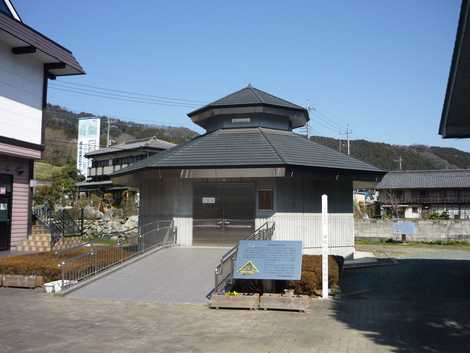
419	193
28	59
249	168
455	120
108	160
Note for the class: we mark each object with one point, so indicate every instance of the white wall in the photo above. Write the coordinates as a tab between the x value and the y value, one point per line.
21	89
307	227
297	214
413	215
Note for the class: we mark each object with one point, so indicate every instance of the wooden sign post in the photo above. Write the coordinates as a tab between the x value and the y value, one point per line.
324	245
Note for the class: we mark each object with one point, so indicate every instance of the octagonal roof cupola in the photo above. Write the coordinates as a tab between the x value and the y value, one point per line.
250	107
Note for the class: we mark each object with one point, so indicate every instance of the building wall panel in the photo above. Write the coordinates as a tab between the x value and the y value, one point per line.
21	90
297	207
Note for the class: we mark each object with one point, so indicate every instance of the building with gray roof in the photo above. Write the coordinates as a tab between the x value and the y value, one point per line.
107	160
249	167
420	193
456	110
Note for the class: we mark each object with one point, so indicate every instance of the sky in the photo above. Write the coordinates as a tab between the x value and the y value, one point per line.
380	67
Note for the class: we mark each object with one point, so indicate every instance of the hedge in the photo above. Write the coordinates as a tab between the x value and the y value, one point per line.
310	282
47	264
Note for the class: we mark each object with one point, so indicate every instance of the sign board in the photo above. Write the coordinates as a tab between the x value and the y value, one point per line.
269	259
241	120
404	227
208	200
88	140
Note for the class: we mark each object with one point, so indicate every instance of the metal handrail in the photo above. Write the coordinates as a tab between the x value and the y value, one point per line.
224	271
96	258
60	224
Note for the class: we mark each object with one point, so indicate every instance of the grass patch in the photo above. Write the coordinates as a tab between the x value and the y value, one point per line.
109	242
454	244
44	171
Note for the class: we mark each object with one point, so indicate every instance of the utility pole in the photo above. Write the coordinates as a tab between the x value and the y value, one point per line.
307	125
348	133
399	161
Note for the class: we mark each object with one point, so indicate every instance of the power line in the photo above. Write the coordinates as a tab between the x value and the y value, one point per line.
128	120
122	99
131	93
126	96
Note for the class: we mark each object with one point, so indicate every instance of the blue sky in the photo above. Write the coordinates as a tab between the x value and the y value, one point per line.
379	66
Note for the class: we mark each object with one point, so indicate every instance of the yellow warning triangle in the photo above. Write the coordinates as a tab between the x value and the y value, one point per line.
248	268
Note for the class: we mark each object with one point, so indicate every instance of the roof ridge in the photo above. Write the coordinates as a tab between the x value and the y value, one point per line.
276	97
253	90
429	170
272	146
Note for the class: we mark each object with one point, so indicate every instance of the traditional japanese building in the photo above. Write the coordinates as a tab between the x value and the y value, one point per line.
250	167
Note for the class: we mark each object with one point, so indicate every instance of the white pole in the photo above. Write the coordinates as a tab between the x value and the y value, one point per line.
324	247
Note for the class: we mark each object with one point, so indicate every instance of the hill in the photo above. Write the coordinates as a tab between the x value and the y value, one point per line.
62	127
414	157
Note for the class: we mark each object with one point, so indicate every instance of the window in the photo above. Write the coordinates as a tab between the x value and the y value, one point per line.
99	163
265	199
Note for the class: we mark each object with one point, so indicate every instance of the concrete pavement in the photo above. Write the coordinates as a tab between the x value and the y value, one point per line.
171	276
419	305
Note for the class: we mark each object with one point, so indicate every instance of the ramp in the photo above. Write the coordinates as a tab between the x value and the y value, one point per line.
174	275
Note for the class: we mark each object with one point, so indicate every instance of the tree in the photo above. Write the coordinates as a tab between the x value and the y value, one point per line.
62	188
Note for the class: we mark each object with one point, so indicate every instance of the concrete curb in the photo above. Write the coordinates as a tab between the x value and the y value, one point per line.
380	263
110	270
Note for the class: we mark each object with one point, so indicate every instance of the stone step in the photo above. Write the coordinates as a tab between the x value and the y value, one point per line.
35	243
40	237
39	230
28	248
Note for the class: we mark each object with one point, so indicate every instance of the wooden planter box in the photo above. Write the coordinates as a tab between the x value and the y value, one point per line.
243	301
22	281
285	302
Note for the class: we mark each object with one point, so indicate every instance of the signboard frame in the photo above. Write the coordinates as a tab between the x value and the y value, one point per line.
269	260
89	130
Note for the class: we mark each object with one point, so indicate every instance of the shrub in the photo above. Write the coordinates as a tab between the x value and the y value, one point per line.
47	264
311	278
44	264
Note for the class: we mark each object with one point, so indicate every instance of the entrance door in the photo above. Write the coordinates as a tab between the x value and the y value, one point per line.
6	182
223	214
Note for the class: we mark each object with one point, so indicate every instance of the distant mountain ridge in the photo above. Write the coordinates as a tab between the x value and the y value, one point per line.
62	127
414	157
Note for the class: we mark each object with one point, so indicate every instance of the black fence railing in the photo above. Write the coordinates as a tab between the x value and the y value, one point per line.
60	223
224	271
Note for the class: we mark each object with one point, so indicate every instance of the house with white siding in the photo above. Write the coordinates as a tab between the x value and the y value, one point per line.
249	168
28	59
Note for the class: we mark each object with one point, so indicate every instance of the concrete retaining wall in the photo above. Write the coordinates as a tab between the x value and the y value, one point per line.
426	230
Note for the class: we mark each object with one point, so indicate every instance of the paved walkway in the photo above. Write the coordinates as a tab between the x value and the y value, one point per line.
175	275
